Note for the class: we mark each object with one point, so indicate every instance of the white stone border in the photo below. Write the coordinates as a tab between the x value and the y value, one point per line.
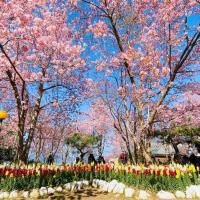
114	186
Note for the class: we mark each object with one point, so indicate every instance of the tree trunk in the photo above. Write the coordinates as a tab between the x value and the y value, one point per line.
135	153
82	154
147	156
130	155
38	149
146	151
21	157
100	146
143	151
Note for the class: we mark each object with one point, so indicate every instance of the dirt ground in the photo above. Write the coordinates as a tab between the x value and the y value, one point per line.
90	194
93	194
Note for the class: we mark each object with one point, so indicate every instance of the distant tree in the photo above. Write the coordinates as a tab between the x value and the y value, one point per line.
177	135
6	154
83	143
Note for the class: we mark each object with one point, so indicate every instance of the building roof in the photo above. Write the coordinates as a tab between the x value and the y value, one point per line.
162	149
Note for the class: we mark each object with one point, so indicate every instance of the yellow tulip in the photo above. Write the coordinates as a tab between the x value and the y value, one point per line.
178	171
177	176
182	174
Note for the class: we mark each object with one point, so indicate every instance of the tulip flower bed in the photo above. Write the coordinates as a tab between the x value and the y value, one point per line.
171	178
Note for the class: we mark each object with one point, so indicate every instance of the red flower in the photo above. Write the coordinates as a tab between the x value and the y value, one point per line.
134	171
25	172
19	172
97	168
3	171
147	171
31	172
164	172
172	172
106	168
158	173
34	172
14	172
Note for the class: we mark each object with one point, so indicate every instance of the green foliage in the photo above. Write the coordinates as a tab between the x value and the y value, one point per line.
179	131
82	141
186	132
6	154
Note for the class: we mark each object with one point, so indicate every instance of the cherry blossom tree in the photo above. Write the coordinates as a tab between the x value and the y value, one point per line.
41	64
53	128
99	120
111	109
155	46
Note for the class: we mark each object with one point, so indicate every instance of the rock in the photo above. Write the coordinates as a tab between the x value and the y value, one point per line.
67	186
112	185
101	183
43	191
129	192
143	195
79	185
165	195
14	194
95	183
119	188
1	195
25	194
34	193
50	191
105	187
85	183
192	191
5	195
73	186
59	189
180	194
198	192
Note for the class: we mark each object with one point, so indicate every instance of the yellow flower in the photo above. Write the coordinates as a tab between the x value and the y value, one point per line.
177	176
192	168
116	163
178	171
126	168
182	174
